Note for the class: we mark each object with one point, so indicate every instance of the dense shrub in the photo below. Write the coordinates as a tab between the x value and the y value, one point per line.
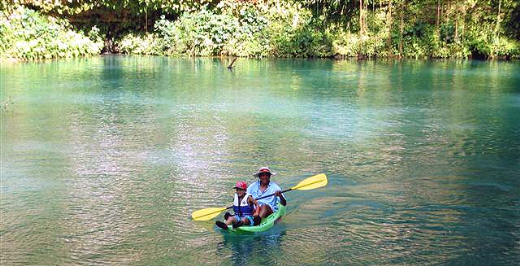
26	34
202	33
147	44
238	29
263	28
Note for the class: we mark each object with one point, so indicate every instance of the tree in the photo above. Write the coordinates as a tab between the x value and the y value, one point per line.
389	18
401	27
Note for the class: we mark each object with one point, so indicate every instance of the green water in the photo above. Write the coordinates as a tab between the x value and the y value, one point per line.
104	159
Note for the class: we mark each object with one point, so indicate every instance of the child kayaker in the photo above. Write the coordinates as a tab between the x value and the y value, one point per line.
244	206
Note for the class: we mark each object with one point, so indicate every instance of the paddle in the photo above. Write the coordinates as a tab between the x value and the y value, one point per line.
312	182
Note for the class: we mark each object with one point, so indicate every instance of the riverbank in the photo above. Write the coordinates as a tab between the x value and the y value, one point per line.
263	29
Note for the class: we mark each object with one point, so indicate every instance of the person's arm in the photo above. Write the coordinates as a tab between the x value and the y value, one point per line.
279	194
254	202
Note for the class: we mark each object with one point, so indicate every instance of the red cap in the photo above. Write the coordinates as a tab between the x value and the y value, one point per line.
241	184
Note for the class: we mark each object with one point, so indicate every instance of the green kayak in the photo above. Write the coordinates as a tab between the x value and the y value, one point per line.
265	225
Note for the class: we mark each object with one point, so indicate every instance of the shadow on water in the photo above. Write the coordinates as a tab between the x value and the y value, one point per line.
254	248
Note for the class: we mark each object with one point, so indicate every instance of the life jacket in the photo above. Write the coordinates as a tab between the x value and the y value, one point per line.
242	208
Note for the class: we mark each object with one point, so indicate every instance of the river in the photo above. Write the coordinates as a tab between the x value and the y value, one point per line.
104	159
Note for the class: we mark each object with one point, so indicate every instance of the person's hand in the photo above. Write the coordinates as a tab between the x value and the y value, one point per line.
278	193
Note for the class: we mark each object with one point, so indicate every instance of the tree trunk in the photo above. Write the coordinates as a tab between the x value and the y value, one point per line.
447	13
463	23
497	29
365	16
456	21
438	16
457	28
389	40
109	45
401	30
361	31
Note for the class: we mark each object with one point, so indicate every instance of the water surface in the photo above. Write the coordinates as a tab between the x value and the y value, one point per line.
104	159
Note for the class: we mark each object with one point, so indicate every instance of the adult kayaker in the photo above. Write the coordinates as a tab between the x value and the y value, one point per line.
243	205
264	186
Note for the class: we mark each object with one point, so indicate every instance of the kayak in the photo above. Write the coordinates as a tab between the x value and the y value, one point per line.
264	225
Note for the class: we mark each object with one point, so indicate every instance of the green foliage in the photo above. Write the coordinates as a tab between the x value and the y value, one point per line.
26	34
204	33
250	39
239	29
293	33
512	20
347	44
135	7
278	28
331	11
147	44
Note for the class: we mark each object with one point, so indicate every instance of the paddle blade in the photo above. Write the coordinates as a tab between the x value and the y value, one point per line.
312	182
206	214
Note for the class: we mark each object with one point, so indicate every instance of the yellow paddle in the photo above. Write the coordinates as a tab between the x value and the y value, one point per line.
312	182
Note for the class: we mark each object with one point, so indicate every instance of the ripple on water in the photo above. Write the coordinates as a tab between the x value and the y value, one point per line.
105	159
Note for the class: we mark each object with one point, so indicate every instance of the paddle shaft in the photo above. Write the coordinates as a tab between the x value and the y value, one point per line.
267	196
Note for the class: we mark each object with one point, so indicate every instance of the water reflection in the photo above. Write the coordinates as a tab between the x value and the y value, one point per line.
260	248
